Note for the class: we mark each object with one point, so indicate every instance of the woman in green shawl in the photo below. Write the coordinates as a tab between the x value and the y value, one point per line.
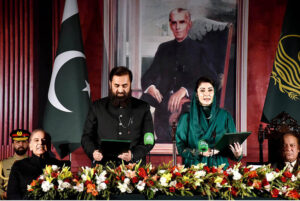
205	123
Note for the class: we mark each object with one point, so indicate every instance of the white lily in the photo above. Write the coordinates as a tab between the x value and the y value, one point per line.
46	186
140	186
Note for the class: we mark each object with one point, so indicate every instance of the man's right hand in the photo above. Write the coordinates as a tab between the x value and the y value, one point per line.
3	196
97	155
155	93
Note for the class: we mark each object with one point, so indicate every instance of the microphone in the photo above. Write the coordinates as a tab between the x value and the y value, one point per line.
202	146
149	138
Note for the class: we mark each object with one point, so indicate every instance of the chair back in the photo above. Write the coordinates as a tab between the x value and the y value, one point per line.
280	125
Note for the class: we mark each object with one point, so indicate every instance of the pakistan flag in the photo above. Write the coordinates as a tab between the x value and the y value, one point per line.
284	86
69	91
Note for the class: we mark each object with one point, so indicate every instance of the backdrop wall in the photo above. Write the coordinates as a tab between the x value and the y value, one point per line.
265	19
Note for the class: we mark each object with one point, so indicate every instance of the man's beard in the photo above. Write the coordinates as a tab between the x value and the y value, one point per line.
119	101
20	151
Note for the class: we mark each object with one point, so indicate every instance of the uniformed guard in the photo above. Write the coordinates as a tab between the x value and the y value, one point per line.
20	144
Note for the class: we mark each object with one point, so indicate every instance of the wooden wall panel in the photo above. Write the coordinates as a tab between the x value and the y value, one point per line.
57	13
265	22
16	69
1	79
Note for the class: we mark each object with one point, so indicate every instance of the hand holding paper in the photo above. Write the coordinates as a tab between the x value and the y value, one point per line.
97	155
125	156
236	150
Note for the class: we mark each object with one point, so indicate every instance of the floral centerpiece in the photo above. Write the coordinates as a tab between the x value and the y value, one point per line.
54	183
92	183
133	178
101	182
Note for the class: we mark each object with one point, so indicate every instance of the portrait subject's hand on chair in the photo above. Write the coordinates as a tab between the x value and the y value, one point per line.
155	93
174	101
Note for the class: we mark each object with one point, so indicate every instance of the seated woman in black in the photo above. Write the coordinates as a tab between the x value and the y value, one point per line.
24	171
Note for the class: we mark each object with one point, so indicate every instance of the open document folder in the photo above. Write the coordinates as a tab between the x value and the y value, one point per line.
230	138
112	148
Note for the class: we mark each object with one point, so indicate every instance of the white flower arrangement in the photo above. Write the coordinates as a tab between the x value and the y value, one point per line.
141	185
46	186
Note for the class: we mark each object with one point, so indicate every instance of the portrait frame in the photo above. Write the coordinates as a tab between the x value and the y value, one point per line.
122	42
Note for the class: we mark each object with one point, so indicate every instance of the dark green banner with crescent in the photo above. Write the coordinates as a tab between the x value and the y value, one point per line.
69	90
284	86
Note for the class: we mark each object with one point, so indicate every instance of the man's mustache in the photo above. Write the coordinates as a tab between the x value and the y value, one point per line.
121	93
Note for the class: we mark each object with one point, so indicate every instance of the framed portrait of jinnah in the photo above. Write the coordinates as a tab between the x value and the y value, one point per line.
143	30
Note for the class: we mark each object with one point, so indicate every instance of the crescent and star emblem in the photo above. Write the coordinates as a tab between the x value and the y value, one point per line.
60	60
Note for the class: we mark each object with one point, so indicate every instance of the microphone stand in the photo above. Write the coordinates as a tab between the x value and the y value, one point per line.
174	155
214	141
261	138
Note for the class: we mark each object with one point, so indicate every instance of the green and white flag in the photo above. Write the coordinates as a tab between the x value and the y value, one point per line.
284	86
69	90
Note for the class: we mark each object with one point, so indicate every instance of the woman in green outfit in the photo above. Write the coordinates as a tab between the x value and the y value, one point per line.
205	123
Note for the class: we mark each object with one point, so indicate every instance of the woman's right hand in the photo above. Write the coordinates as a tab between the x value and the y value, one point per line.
210	152
206	154
236	149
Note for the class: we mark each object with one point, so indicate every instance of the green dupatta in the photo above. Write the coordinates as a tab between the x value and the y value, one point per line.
193	126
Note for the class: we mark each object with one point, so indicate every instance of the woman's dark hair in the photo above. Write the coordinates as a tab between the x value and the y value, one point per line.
204	79
119	71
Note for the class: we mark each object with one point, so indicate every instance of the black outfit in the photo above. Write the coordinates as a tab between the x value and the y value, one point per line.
280	165
106	121
175	65
24	171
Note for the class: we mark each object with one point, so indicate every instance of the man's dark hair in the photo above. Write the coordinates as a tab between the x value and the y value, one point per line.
35	131
204	79
292	134
119	71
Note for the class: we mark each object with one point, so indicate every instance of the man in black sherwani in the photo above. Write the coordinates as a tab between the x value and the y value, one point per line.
118	117
170	80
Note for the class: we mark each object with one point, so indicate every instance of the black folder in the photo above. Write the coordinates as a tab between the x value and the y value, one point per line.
230	138
111	148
